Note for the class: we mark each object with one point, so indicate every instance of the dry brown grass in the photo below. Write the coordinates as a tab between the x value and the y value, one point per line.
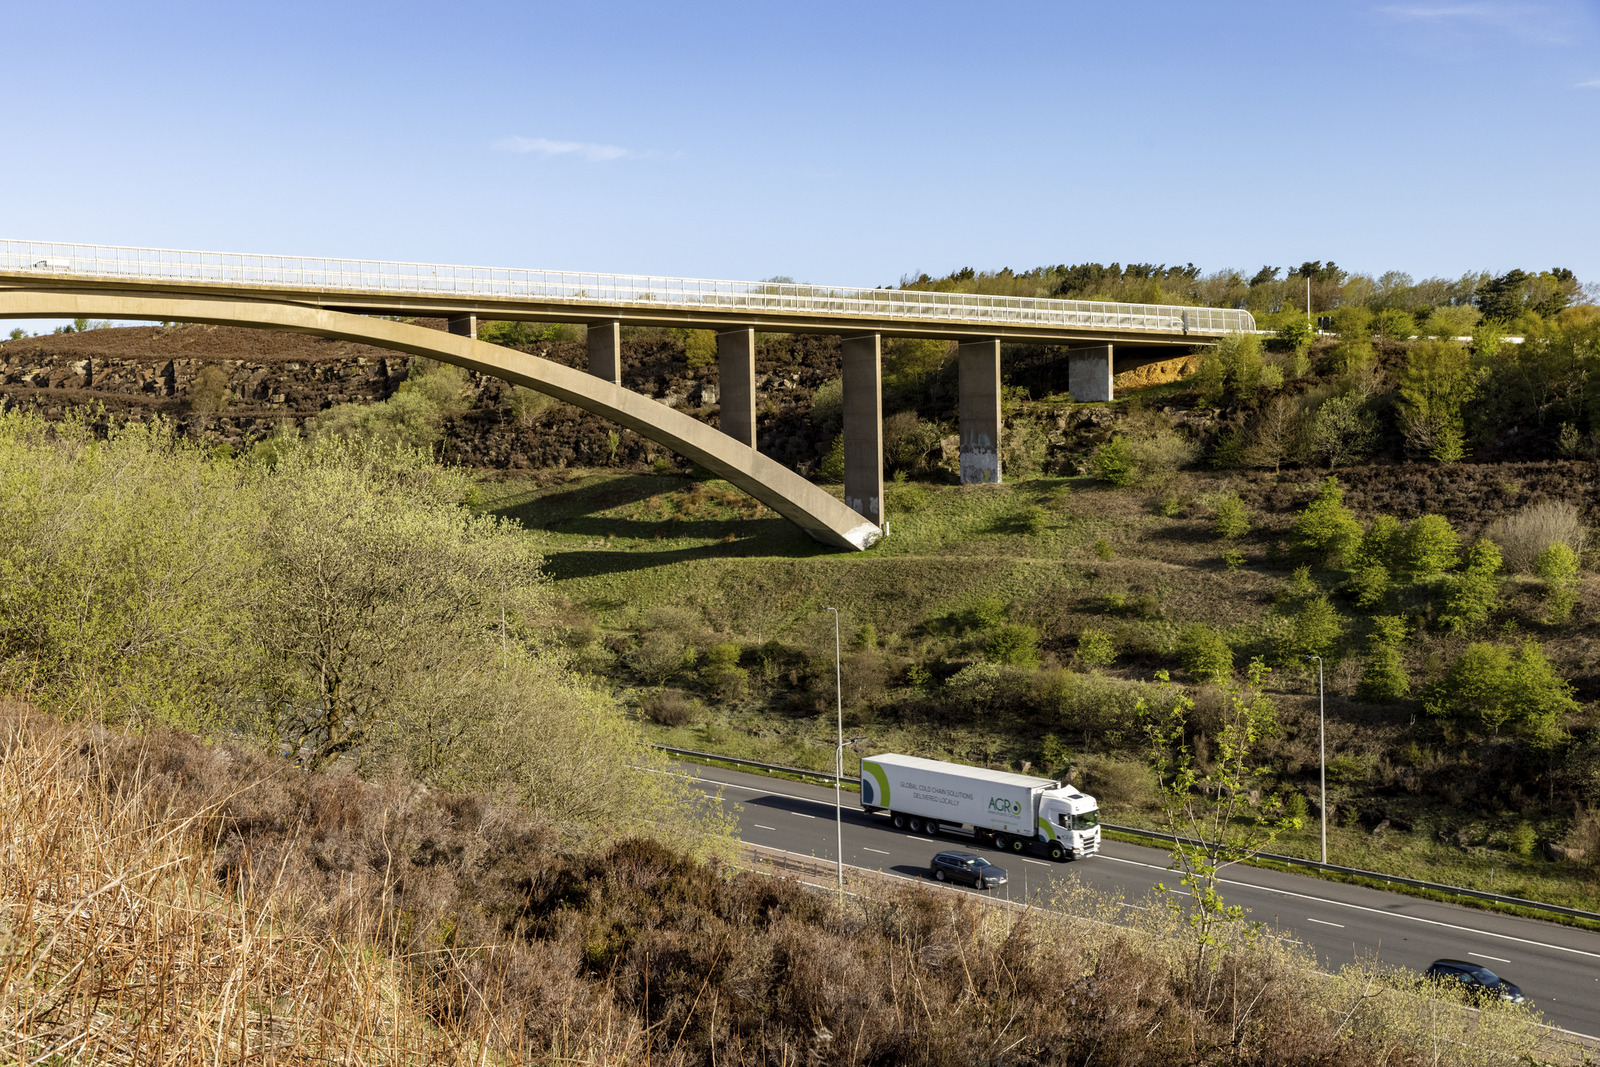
164	901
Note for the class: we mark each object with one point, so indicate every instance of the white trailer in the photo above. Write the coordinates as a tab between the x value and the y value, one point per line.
1013	812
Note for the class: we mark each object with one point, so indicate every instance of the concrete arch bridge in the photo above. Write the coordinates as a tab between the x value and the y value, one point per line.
341	299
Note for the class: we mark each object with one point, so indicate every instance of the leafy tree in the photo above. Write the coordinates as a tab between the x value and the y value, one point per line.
1326	528
375	586
1294	334
1432	546
1353	324
1206	654
1217	816
1436	384
700	348
1340	431
1232	366
1371	584
1490	689
1394	324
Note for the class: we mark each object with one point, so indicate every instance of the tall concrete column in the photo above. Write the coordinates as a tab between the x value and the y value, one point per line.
863	425
463	325
736	371
1089	373
605	351
979	362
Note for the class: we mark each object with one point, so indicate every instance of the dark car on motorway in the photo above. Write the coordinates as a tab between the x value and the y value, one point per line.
966	868
1478	981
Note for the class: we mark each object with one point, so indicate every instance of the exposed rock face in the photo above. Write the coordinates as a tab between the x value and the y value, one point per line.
1168	370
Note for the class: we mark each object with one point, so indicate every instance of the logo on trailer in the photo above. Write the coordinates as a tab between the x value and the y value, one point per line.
1002	806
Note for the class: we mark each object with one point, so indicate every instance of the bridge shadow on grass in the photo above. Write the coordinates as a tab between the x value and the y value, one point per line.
588	499
778	539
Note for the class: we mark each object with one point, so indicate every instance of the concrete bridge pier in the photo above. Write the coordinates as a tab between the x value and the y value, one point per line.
605	351
979	364
463	325
1089	373
736	373
863	425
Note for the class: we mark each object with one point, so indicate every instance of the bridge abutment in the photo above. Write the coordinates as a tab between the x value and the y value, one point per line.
605	351
463	325
863	425
979	366
736	373
1089	373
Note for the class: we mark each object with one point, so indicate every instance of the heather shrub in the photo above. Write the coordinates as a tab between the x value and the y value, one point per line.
670	707
1229	517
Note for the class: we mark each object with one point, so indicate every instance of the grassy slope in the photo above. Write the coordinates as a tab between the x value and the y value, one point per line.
621	545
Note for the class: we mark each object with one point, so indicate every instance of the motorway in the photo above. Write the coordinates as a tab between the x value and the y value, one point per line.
1558	967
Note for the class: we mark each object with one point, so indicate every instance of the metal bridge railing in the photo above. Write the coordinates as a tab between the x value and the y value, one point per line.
380	277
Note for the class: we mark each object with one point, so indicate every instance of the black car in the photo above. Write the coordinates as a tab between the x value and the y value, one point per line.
1477	981
967	868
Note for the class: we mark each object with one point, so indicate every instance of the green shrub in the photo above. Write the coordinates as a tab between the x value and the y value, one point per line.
832	467
1370	585
1521	839
1229	517
1103	549
1314	630
1326	528
1384	681
1206	654
1558	563
1023	448
1113	462
1489	689
1432	546
1095	648
1472	597
1014	644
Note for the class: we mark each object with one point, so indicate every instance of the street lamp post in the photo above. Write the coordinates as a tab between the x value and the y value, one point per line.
838	804
1322	762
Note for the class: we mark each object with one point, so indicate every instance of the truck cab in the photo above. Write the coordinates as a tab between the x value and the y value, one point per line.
1069	820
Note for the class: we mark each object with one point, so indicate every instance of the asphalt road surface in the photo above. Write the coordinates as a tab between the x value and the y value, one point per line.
1558	967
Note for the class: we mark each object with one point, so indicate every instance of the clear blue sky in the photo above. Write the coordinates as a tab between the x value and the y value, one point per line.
843	143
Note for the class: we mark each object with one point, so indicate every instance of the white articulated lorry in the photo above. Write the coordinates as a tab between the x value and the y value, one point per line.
1013	812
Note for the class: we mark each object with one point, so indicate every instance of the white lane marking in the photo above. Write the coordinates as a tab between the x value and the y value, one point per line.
1323	922
802	815
1041	863
879	851
760	826
1481	956
914	837
1377	911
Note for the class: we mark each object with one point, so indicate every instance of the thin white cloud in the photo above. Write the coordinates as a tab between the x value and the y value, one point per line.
548	149
1590	85
1545	24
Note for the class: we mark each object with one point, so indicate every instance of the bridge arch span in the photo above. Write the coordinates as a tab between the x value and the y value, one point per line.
807	506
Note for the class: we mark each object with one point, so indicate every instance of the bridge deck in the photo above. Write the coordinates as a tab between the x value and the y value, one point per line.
382	287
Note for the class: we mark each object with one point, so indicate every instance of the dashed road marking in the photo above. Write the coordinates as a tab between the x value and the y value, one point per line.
1323	922
760	826
1481	956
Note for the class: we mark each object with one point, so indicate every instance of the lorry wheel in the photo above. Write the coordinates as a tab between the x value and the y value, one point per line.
916	825
1057	853
931	827
1002	841
898	820
1017	844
